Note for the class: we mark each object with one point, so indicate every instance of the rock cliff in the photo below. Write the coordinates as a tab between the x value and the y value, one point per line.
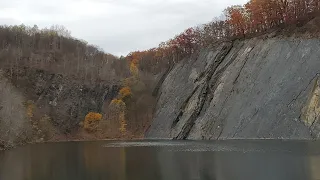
255	88
65	99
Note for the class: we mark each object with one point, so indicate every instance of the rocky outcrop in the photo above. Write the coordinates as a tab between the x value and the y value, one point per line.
14	125
64	99
256	88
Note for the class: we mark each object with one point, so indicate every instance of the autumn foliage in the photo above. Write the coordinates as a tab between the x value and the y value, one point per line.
30	109
118	103
91	121
125	92
254	17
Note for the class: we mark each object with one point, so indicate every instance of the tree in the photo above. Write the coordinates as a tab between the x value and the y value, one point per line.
237	19
91	121
125	92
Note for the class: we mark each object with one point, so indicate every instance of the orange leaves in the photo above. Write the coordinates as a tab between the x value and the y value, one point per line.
125	92
118	102
254	17
134	56
133	59
237	19
186	40
93	116
184	43
134	69
91	121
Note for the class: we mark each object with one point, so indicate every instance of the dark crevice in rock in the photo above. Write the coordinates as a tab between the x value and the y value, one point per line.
303	90
214	85
155	92
262	89
232	90
214	79
183	107
183	134
213	66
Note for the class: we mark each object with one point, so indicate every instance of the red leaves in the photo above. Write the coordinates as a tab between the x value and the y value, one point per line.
253	17
237	19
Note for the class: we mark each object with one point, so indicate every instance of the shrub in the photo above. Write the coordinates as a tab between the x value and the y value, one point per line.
118	103
91	121
125	93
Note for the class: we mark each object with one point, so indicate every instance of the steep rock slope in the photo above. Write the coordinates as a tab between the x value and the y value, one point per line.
256	88
64	99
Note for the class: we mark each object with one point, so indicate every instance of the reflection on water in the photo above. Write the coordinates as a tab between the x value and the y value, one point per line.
220	160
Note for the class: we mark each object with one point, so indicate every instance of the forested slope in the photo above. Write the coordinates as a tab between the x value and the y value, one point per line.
56	87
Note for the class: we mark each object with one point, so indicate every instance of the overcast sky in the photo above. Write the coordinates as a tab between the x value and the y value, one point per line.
117	26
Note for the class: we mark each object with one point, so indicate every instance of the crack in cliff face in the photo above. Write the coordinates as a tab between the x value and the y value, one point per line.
207	92
247	51
243	65
183	107
303	90
155	92
310	113
215	85
243	125
201	99
183	134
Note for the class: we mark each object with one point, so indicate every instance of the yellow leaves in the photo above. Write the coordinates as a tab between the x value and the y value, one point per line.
119	108
122	122
134	58
134	69
129	82
126	82
118	105
91	121
125	92
118	102
30	109
94	116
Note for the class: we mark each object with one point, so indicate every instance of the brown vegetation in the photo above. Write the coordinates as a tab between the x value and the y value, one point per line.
91	121
239	21
56	51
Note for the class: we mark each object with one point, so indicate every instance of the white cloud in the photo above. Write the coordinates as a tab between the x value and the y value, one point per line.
117	26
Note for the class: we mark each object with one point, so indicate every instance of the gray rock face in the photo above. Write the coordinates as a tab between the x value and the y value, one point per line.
64	99
247	89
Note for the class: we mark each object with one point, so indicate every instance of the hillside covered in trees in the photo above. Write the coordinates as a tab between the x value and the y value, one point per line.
58	87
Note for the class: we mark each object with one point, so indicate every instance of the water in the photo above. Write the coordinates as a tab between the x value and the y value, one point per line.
165	160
